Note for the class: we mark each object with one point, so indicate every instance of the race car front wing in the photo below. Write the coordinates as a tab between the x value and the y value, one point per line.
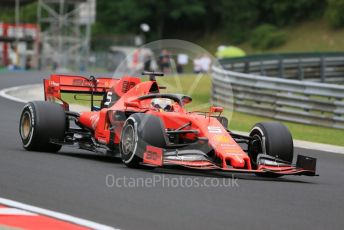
197	159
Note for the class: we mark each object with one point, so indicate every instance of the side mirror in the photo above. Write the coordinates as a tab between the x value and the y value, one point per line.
131	104
216	109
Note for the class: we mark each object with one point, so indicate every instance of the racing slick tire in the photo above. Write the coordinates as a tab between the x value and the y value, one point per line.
139	131
41	122
273	139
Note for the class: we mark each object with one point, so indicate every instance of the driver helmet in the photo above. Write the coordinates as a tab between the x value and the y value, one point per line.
164	104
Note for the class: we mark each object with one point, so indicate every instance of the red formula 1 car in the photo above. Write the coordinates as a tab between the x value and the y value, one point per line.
145	127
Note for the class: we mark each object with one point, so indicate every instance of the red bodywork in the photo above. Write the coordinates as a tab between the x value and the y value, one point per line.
228	153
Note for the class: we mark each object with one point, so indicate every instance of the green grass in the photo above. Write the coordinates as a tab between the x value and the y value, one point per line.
312	36
81	99
239	121
244	122
309	36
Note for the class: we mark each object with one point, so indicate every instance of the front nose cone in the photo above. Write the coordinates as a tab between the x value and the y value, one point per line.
236	160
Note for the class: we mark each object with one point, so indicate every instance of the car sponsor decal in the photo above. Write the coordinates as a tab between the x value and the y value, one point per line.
82	82
153	156
214	129
53	84
226	145
222	139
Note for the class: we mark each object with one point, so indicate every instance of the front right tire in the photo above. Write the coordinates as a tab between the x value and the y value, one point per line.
273	139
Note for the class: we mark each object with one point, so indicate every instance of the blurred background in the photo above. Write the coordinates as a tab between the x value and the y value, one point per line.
296	46
96	33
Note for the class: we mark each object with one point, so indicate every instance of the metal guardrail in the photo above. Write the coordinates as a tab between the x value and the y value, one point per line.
322	67
305	102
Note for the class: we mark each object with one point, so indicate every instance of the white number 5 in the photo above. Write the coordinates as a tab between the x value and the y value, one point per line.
108	99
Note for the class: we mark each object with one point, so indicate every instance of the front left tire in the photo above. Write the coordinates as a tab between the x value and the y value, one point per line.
139	131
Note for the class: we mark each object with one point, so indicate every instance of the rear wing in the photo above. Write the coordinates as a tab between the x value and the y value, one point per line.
57	84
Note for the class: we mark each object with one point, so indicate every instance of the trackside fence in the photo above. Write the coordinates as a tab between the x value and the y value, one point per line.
282	98
319	67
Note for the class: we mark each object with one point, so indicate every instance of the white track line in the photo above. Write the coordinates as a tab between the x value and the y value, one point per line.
16	211
4	93
57	215
319	147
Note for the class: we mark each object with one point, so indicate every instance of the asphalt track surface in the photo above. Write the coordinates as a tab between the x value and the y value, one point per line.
74	182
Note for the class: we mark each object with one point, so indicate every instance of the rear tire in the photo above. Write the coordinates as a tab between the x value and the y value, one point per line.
40	122
273	139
